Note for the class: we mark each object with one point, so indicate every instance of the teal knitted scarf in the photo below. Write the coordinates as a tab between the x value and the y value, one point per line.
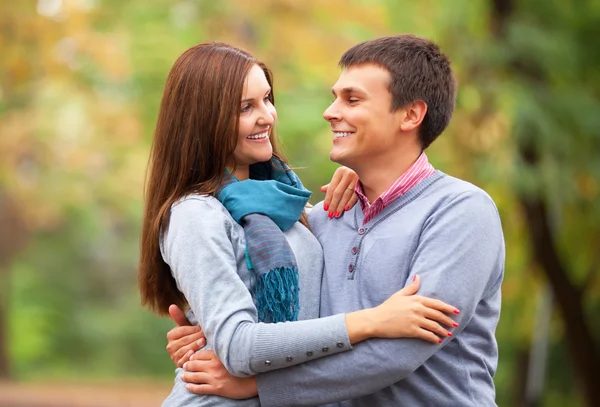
266	205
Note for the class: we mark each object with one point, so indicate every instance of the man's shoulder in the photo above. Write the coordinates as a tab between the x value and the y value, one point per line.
316	214
451	189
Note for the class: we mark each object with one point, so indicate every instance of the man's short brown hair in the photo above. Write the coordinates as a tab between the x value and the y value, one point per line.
419	71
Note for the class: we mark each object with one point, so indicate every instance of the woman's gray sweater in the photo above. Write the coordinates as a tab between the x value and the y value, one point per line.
205	249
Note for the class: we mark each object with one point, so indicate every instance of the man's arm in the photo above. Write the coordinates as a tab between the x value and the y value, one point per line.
460	257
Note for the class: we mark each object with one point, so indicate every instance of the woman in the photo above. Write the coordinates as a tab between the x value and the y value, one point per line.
225	230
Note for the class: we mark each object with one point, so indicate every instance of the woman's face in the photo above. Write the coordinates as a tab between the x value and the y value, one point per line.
256	122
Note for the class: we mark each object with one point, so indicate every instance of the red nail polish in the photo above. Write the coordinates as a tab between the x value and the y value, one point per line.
347	207
337	214
415	278
330	215
440	341
456	311
449	334
325	207
455	324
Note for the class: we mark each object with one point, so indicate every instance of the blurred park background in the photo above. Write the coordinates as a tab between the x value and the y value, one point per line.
80	85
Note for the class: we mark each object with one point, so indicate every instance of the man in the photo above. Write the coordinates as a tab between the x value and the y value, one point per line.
394	97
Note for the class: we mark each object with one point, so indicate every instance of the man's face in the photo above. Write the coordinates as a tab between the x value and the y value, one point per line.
364	127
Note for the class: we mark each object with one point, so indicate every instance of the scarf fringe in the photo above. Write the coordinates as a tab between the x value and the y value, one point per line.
277	295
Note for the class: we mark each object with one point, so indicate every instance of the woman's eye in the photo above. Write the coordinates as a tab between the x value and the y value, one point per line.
245	108
267	98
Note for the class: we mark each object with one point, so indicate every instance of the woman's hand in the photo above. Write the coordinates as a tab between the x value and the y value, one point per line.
403	315
184	339
339	193
205	374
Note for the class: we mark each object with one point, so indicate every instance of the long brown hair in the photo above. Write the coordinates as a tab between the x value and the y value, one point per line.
196	134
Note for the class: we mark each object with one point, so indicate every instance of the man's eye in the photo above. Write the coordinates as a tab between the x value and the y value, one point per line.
352	100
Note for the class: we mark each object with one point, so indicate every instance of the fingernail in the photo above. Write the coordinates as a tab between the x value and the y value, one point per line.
200	342
455	324
325	207
440	341
187	386
337	214
347	207
184	365
330	215
449	333
456	311
415	278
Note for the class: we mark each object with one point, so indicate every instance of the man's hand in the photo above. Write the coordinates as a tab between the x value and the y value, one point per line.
184	339
205	374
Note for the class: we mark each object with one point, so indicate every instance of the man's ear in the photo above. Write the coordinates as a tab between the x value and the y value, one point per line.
413	115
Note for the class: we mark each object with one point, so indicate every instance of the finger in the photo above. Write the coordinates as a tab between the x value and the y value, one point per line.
337	197
439	305
324	188
331	187
192	347
178	316
185	358
203	355
343	204
353	200
197	366
201	388
196	377
180	332
428	336
435	328
440	317
180	346
412	288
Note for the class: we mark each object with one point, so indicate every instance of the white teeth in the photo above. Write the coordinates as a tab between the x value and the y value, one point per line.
259	136
339	134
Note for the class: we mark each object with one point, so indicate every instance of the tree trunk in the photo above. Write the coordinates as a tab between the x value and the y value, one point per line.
4	362
580	341
13	237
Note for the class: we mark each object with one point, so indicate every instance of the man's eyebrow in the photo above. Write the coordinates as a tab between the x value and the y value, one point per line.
251	99
348	90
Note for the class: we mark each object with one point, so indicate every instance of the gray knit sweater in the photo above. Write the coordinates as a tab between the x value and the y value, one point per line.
448	232
205	250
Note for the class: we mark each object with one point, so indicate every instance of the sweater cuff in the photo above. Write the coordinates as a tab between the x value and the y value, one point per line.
320	337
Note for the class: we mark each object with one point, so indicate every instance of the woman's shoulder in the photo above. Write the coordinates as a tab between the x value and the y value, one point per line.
200	210
198	203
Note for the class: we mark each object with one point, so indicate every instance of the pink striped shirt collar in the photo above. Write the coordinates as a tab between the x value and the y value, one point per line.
416	173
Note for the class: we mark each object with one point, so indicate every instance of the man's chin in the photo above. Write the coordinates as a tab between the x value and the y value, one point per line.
339	158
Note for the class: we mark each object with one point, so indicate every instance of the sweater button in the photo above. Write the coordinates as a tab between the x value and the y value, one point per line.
355	250
289	358
340	344
361	231
267	363
350	268
309	353
325	349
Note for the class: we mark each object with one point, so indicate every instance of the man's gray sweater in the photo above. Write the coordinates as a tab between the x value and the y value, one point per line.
448	232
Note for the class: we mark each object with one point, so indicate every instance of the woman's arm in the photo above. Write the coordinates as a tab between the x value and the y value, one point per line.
198	248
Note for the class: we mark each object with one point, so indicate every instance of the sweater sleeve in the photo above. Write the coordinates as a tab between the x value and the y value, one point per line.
460	256
198	249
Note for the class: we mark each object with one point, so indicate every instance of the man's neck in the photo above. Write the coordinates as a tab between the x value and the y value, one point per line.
377	176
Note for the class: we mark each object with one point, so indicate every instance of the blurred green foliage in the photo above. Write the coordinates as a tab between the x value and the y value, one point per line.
80	85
